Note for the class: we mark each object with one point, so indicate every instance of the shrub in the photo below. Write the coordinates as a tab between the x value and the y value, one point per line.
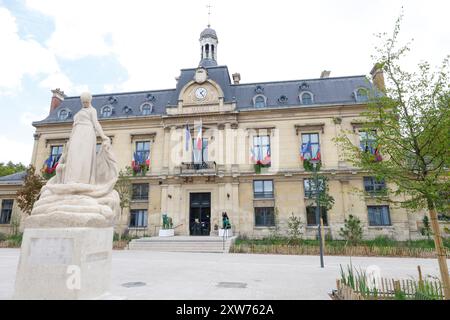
15	240
3	237
352	230
426	229
295	229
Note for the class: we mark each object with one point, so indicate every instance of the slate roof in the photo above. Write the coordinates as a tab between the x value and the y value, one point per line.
326	91
208	32
15	178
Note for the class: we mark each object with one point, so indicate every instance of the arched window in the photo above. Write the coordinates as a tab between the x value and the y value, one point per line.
259	101
212	51
361	95
146	109
63	114
306	98
207	50
106	111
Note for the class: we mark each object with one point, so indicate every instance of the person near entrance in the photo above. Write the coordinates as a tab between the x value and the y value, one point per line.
226	221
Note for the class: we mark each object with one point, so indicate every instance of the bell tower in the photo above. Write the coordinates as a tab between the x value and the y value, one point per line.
208	44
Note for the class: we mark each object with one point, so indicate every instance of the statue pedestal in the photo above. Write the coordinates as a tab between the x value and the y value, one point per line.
64	263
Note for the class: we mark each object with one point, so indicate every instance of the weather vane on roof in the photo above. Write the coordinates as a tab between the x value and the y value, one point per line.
209	14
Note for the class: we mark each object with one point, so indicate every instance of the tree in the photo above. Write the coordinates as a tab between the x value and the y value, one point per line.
124	189
11	168
29	192
295	228
352	230
411	121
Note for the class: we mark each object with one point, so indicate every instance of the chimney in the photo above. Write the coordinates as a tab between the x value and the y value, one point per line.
236	78
325	74
57	98
378	77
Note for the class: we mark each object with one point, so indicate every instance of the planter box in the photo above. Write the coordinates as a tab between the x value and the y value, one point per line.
225	232
166	232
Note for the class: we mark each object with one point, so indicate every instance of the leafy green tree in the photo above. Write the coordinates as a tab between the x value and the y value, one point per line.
411	122
124	189
352	230
295	228
28	194
11	168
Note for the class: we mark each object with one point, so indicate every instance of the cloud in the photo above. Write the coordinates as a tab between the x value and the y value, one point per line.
20	57
14	150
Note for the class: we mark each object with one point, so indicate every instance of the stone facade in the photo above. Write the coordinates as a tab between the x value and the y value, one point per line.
229	129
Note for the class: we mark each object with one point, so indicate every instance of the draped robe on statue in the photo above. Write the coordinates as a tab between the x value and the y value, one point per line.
82	192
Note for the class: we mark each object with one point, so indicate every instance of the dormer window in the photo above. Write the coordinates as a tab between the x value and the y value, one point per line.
361	95
306	98
107	111
259	101
63	114
146	109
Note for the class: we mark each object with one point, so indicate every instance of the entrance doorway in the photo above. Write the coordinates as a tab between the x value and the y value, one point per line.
200	214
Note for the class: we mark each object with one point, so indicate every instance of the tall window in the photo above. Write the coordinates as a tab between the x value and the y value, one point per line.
106	111
260	102
307	98
55	152
371	184
313	139
263	189
264	217
361	95
261	149
138	218
311	216
379	216
311	188
143	150
140	191
5	216
367	140
200	156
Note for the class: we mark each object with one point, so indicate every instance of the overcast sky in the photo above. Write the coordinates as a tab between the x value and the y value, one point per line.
114	46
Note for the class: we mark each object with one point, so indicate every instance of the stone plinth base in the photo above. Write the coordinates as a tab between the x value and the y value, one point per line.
64	263
225	233
166	232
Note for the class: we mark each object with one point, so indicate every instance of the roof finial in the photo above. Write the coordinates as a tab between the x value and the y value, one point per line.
209	14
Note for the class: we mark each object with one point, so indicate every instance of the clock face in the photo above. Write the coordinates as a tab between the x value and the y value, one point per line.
201	93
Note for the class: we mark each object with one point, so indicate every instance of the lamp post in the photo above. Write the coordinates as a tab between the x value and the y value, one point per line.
315	164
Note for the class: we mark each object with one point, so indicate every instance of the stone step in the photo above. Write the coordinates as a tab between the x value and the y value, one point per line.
182	244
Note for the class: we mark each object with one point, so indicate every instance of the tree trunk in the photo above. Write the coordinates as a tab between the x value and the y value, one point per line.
440	251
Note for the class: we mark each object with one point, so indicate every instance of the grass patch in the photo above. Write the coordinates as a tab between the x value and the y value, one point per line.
377	242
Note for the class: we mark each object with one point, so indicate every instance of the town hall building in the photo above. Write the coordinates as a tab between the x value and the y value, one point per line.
215	145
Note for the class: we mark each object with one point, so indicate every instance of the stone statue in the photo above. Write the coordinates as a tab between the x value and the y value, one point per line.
81	194
67	241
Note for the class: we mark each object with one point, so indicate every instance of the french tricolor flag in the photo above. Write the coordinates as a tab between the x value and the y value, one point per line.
199	140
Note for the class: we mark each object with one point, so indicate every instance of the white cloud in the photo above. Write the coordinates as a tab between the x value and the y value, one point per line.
28	117
262	40
20	57
15	151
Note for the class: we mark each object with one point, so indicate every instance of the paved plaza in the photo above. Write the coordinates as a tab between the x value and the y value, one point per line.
171	275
